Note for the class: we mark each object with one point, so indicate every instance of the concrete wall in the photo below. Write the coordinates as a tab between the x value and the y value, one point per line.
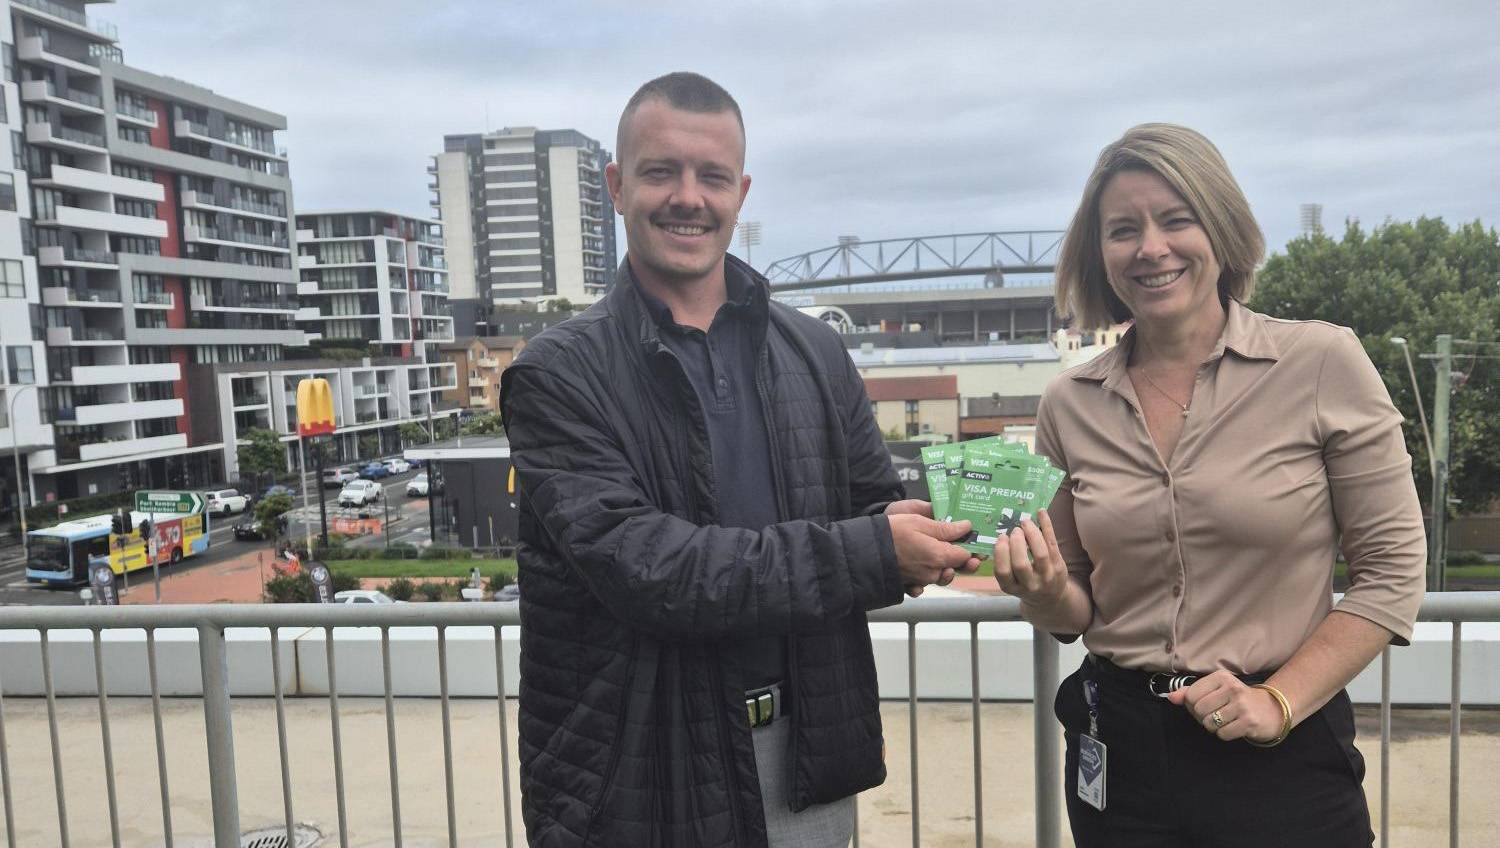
1419	673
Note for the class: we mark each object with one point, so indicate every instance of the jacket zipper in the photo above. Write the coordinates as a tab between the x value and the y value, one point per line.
781	515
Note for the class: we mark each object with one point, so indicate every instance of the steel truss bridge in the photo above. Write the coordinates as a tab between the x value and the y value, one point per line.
921	257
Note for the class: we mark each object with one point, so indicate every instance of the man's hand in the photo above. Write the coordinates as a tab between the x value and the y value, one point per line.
925	552
909	507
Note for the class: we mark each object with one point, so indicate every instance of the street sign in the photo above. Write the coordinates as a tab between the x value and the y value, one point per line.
176	503
322	582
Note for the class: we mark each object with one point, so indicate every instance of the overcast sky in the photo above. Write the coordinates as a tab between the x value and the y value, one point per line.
880	119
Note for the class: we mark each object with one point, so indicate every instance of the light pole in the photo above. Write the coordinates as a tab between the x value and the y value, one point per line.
749	237
15	455
1416	391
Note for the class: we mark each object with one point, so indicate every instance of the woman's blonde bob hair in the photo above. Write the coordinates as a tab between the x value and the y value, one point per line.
1194	169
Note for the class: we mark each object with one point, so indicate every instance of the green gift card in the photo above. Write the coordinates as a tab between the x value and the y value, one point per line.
941	462
1000	484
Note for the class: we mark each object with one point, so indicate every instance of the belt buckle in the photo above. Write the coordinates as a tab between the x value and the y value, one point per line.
1161	685
760	708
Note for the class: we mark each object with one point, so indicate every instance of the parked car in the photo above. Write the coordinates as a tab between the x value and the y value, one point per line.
359	493
374	471
417	463
363	596
225	502
508	592
397	465
335	478
417	486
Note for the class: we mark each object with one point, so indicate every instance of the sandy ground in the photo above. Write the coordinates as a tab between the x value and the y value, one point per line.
1419	801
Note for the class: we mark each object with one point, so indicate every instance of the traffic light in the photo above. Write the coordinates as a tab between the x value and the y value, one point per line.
145	529
119	524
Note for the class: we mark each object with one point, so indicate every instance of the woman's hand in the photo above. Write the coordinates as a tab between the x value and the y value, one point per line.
1028	564
1230	709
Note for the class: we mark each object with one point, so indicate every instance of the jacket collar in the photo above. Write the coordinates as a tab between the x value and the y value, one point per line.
1244	335
745	287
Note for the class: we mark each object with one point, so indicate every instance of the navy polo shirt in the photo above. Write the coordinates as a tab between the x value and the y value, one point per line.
720	364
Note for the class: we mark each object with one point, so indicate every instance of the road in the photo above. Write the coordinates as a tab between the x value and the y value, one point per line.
409	525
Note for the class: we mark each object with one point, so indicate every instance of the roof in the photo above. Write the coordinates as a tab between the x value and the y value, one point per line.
943	387
463	447
954	355
490	342
1023	406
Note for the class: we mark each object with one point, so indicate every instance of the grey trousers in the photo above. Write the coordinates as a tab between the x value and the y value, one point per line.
818	826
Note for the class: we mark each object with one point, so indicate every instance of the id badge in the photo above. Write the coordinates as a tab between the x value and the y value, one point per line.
1091	765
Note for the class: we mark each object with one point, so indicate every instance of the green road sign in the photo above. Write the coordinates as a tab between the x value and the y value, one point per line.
177	503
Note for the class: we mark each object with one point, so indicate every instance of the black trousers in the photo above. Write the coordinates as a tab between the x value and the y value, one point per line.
1172	783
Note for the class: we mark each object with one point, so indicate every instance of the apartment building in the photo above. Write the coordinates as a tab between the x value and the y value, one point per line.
160	225
372	397
528	219
374	277
479	362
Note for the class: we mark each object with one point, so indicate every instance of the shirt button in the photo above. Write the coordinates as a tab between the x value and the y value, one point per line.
1176	592
1171	535
1169	647
1166	479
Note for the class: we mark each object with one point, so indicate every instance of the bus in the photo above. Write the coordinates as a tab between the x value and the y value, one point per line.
60	554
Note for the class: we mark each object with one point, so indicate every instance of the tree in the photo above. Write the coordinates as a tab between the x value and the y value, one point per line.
562	304
268	514
487	424
263	453
1415	280
369	446
413	433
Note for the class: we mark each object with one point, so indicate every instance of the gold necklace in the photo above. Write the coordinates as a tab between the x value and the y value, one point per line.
1175	402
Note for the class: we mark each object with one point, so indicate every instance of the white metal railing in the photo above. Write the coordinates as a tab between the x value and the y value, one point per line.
211	621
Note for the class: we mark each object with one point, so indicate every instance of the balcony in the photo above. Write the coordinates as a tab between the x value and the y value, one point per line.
46	133
238	206
102	221
44	91
488	362
128	110
79	296
155	300
73	257
67	336
36	49
126	447
193	129
249	401
958	678
114	413
109	375
82	179
223	303
234	238
58	14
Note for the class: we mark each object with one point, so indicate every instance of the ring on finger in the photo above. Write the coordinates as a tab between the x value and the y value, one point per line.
1217	718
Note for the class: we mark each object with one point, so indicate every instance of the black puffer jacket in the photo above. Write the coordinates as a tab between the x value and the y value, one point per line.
633	728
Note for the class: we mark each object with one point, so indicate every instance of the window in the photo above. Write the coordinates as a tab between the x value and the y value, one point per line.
7	188
135	208
913	424
18	357
8	56
133	172
12	283
18	150
133	134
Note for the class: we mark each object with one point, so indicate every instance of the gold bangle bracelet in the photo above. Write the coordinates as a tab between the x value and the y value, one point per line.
1286	717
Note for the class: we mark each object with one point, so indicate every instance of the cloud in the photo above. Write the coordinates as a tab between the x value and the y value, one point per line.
880	119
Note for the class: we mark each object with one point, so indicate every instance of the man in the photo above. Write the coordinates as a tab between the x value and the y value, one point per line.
709	511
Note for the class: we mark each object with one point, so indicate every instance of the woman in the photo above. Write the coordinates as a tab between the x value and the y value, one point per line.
1217	461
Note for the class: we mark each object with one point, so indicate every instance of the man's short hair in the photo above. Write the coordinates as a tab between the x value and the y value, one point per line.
683	90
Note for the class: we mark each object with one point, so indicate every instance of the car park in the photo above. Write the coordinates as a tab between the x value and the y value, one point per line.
225	502
374	471
335	478
397	465
359	493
